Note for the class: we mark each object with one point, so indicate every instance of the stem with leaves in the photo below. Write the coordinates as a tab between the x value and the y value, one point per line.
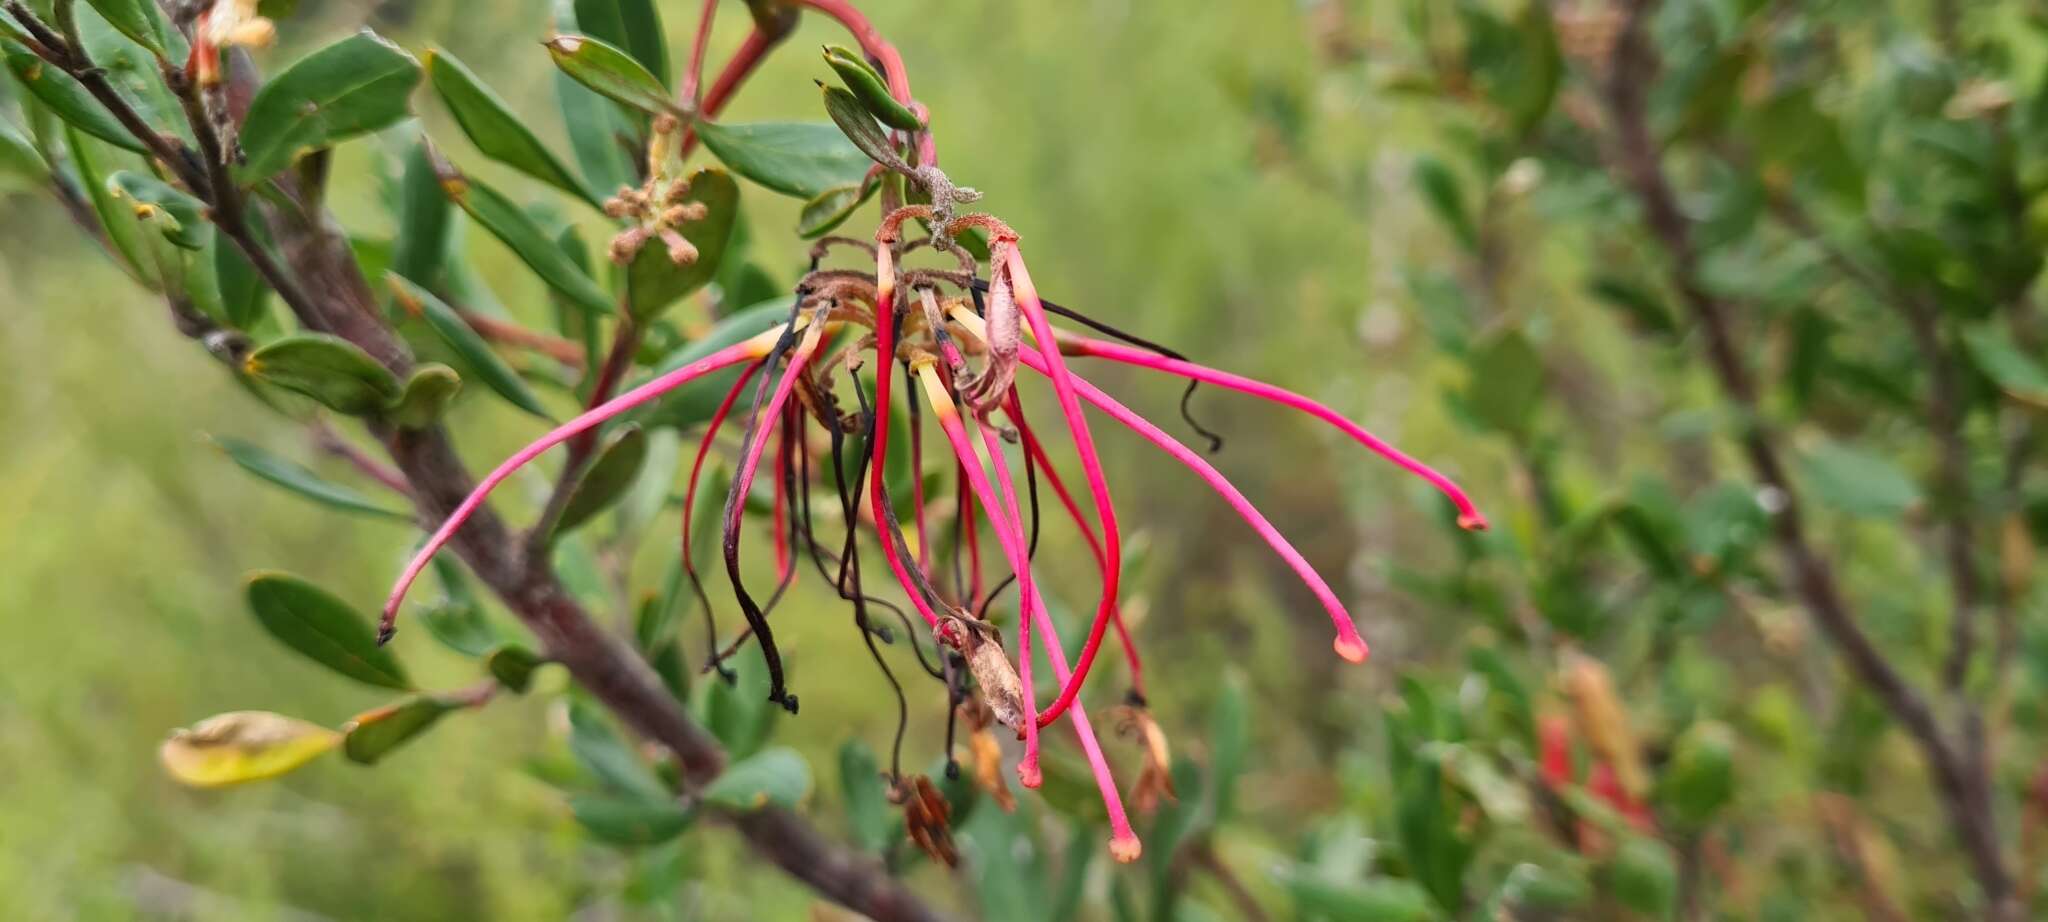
319	260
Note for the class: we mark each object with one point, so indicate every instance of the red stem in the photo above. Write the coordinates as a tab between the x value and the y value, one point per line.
687	93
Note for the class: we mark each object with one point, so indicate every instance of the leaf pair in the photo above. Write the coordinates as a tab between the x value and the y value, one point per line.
342	377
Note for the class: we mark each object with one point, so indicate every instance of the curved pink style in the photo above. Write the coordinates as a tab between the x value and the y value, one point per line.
1004	516
1055	367
743	480
738	352
711	428
1468	514
1349	645
1015	411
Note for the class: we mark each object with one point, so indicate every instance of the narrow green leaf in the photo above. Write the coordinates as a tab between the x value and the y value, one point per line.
1229	742
301	480
1700	778
603	754
18	155
869	87
1643	876
633	25
830	208
739	712
610	72
860	128
490	124
372	735
608	478
801	159
323	628
426	396
513	665
91	160
461	626
1379	899
466	343
654	281
518	231
189	228
426	219
328	369
1506	381
1858	482
352	87
630	820
601	132
2006	364
142	22
68	99
867	797
1441	190
776	776
243	293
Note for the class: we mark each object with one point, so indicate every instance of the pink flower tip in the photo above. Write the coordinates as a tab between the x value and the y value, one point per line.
1125	847
1029	774
1472	521
1351	647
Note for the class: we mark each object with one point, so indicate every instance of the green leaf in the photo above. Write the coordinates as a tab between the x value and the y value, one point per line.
801	159
608	478
513	665
630	820
1700	778
490	124
91	159
142	21
243	293
634	25
860	128
18	155
467	344
776	776
831	208
1441	191
693	403
328	369
461	626
2006	364
426	396
610	72
867	797
1378	899
300	480
1643	876
602	134
1229	741
654	281
739	713
243	746
425	219
323	628
603	754
869	87
1858	482
518	231
68	99
372	735
352	87
1506	384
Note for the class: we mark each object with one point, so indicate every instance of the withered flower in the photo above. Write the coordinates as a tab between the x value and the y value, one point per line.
926	817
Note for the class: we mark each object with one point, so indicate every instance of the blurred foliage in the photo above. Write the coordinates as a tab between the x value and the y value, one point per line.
1609	706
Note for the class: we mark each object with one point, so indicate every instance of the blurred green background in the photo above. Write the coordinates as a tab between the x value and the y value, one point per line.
1245	181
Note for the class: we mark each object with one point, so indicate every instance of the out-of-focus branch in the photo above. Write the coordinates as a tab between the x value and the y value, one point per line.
1960	783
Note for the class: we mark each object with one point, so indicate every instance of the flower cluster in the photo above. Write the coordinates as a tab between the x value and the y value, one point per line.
954	335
